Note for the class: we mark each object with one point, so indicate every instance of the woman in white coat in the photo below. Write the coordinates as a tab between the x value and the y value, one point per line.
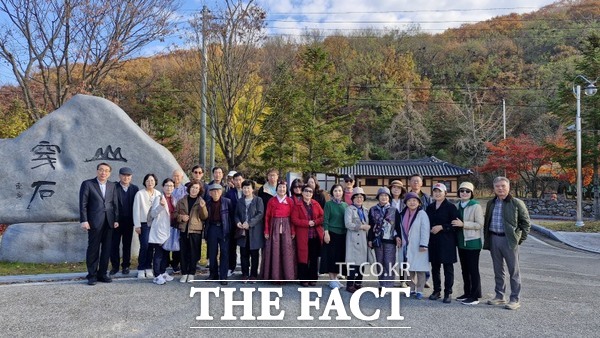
142	202
412	233
357	223
159	234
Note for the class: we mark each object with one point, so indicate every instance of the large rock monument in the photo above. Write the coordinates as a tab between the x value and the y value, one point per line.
42	170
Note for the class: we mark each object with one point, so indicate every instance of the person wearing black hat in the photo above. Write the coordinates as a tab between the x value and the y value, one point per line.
126	192
348	188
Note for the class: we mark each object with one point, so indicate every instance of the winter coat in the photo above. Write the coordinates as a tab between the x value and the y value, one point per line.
299	219
255	218
198	215
516	221
442	246
356	239
161	222
417	237
473	221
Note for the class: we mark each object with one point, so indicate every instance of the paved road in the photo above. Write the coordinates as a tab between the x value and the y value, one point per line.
560	298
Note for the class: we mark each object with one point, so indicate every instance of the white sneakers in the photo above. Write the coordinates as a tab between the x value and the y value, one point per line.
167	277
141	274
183	279
159	280
162	279
190	278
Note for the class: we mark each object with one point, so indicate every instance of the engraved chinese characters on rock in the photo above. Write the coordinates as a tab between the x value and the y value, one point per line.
45	152
107	155
42	192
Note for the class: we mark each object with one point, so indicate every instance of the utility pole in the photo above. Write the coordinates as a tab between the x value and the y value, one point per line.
203	90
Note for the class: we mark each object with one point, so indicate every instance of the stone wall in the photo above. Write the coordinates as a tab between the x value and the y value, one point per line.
561	207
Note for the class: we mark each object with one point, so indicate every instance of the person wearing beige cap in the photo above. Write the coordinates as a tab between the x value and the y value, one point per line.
470	242
442	242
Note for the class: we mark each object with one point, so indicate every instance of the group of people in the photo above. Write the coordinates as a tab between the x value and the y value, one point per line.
295	235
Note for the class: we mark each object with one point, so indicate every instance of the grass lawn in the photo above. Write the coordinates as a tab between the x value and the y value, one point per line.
590	226
12	268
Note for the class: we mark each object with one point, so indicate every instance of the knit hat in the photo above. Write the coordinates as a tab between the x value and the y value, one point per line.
396	183
411	195
383	190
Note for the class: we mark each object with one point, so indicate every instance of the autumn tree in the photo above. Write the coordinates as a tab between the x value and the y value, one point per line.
519	158
236	93
57	48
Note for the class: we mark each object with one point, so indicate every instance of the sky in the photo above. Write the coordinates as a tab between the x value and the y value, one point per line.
293	17
432	16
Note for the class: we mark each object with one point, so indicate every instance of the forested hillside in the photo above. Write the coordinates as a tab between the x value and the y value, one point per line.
326	100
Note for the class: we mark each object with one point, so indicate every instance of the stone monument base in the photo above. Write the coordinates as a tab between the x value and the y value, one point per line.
63	242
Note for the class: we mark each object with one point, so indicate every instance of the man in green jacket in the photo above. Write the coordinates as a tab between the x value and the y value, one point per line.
506	227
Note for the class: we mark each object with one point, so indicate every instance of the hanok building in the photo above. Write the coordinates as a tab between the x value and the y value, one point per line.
371	175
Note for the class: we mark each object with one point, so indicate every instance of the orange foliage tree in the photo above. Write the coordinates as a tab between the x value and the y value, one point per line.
520	158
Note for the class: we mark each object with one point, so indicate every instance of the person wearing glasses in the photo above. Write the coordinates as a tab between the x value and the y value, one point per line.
470	242
98	215
348	188
296	189
307	220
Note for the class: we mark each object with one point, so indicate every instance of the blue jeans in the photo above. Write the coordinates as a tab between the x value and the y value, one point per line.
145	255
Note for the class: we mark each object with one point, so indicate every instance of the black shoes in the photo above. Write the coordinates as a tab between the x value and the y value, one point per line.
224	282
92	281
105	279
435	296
125	271
470	301
461	298
447	299
113	271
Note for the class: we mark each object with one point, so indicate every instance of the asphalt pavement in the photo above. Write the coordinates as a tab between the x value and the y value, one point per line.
559	298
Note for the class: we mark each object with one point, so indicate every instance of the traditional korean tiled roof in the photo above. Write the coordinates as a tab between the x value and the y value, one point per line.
427	166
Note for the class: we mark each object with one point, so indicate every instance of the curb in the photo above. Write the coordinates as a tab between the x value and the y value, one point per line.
556	235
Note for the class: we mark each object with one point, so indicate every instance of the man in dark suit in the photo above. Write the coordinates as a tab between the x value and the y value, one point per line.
126	192
98	214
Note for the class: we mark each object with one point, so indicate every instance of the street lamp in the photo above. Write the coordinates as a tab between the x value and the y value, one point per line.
590	89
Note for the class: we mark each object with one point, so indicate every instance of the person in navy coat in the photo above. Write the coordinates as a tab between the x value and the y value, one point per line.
98	214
